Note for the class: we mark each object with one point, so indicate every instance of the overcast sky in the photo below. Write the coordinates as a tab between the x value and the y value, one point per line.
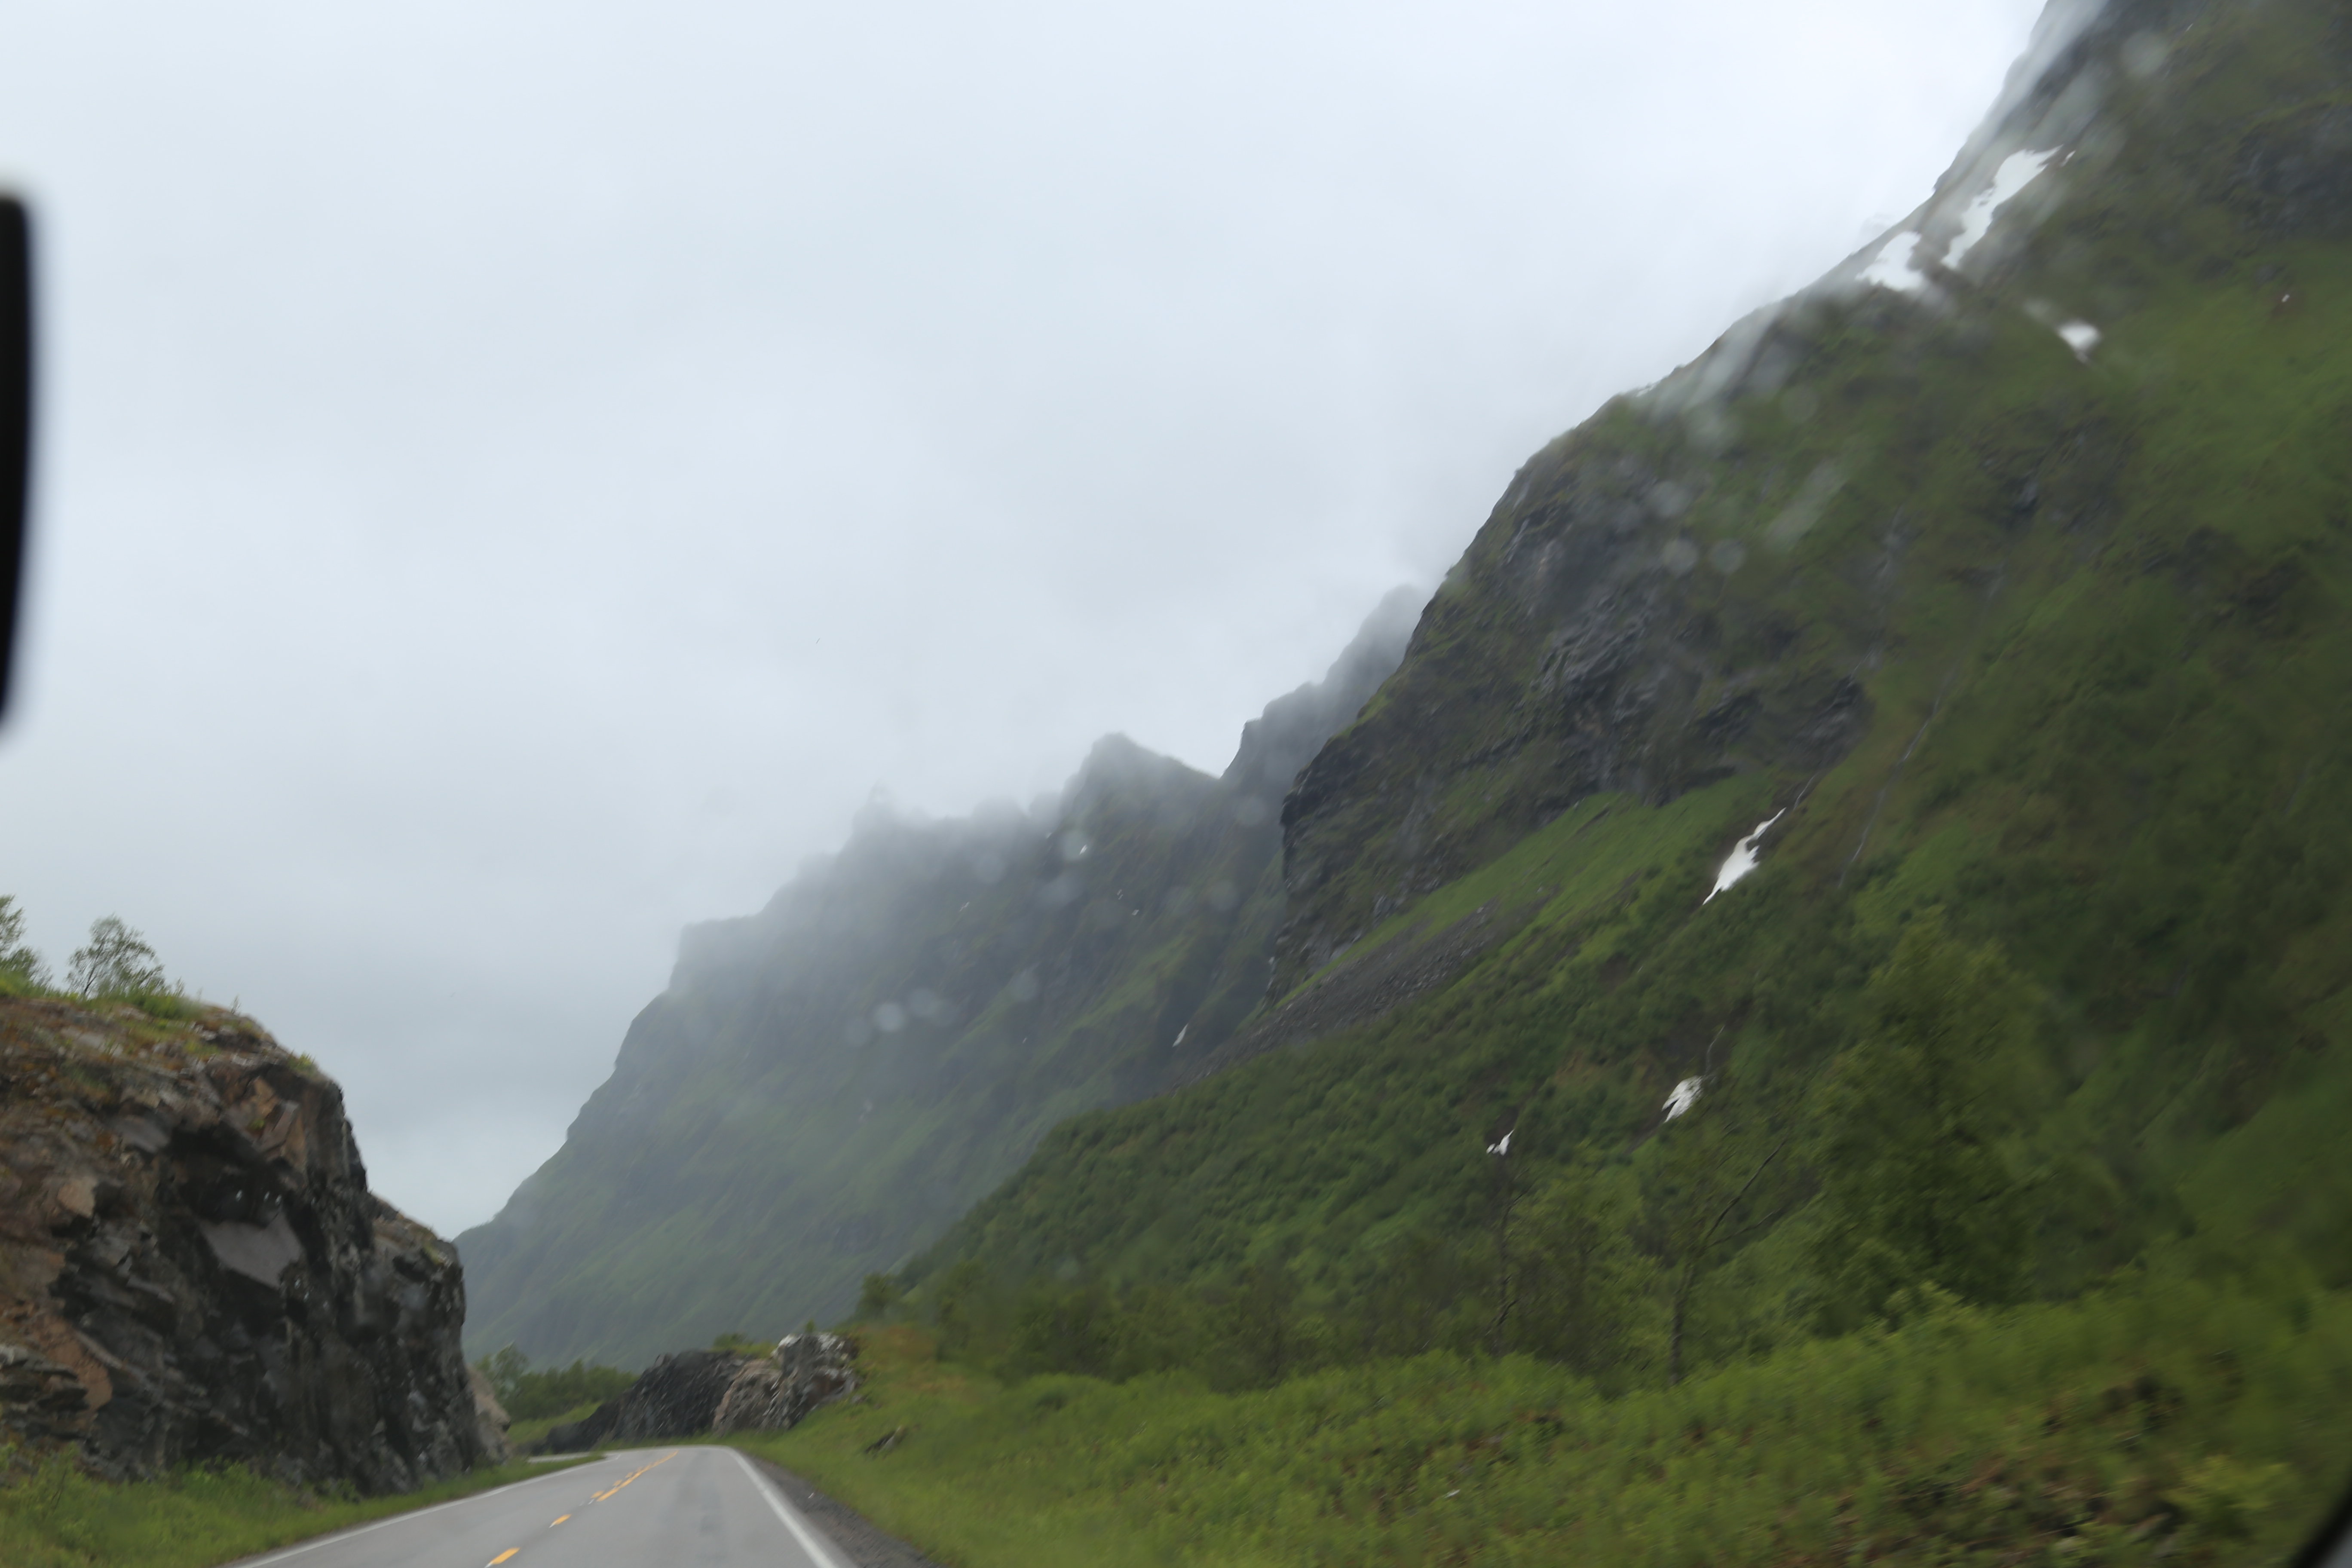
514	477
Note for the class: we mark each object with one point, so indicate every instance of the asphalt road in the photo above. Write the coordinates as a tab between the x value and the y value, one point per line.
644	1507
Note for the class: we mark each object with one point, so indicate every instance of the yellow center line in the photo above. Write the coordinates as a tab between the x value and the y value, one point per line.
625	1481
504	1555
552	1523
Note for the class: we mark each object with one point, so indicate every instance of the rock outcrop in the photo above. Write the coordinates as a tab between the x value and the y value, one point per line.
490	1418
694	1391
191	1268
678	1396
778	1390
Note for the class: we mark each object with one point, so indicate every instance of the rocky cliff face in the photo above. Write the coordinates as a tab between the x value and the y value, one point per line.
1578	652
827	1085
192	1267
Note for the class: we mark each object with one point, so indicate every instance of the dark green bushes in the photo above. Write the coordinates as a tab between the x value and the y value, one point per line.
2193	1410
531	1396
1914	1188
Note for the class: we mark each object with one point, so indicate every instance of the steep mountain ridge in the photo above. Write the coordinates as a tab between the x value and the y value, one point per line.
1700	582
829	1083
2005	573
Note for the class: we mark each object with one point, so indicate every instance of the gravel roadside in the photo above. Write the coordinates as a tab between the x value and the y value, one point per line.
852	1531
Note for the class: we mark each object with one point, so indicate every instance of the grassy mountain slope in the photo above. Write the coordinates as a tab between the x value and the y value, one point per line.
2048	633
827	1084
2119	1430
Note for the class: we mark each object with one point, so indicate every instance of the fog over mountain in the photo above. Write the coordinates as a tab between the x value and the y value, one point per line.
513	483
825	1086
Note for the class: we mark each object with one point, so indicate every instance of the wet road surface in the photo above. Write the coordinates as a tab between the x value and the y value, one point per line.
644	1507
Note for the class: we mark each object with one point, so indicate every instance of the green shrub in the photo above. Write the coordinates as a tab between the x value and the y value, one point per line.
531	1396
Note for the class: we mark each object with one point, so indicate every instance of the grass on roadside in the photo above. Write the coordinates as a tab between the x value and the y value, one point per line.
2169	1416
53	1515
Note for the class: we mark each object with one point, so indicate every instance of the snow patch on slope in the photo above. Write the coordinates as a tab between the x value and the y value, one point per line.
2017	171
2080	336
1892	268
1742	858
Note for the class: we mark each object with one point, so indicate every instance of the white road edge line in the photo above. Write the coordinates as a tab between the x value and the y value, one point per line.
821	1551
329	1539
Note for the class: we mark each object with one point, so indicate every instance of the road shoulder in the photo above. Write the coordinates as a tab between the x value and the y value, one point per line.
852	1533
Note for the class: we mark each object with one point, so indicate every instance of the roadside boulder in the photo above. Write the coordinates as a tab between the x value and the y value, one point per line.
778	1390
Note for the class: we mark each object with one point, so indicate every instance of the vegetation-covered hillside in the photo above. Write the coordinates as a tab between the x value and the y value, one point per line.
1809	1021
2005	575
827	1084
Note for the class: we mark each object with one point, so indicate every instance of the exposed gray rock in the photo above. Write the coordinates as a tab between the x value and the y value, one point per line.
191	1268
678	1396
675	1397
490	1418
778	1390
694	1391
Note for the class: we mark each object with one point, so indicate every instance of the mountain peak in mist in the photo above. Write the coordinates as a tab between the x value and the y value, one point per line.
828	1083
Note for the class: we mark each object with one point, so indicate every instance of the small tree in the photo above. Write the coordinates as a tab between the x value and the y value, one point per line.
1716	1179
1067	1328
1416	1298
876	1296
959	1303
17	962
1506	1199
1578	1283
1914	1186
1715	1212
1260	1324
505	1370
117	963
